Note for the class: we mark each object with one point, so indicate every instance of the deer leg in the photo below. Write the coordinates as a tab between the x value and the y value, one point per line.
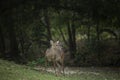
59	67
54	65
63	68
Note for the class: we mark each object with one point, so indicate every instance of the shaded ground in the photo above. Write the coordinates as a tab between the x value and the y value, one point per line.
89	73
84	70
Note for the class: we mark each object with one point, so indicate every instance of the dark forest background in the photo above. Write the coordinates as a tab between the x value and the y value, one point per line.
88	29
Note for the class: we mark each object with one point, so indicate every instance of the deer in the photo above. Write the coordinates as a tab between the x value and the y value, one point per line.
55	54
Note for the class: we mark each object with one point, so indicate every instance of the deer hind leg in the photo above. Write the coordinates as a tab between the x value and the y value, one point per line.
63	68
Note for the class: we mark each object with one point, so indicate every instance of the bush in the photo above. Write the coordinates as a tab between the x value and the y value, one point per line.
102	53
39	61
32	63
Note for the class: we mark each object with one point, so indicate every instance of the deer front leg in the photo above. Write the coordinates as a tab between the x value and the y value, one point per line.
54	65
59	67
63	68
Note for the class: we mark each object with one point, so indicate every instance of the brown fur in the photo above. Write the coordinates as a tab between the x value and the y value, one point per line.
55	54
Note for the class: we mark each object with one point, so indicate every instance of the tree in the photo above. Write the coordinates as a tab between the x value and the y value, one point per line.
47	24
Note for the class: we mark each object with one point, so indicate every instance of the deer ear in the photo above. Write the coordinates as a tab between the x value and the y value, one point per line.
58	42
51	42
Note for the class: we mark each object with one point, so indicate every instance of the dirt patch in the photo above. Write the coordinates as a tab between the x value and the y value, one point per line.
74	70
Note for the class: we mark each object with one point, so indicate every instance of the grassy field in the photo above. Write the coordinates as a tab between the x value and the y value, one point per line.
12	71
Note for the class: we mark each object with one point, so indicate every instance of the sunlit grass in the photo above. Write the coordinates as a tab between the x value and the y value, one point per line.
12	71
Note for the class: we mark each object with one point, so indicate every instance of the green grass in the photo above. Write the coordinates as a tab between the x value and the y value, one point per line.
12	71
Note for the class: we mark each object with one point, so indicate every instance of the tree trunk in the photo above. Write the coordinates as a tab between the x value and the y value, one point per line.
2	41
14	53
71	48
61	32
47	21
22	42
88	34
98	31
72	37
73	28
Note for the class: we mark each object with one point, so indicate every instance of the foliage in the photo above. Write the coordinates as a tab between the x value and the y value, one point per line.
104	53
39	61
32	63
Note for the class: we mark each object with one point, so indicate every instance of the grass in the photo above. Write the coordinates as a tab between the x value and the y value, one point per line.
12	71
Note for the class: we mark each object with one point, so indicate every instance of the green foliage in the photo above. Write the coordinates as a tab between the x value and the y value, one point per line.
39	61
32	63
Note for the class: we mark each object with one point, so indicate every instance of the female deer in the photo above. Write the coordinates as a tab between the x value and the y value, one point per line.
55	54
